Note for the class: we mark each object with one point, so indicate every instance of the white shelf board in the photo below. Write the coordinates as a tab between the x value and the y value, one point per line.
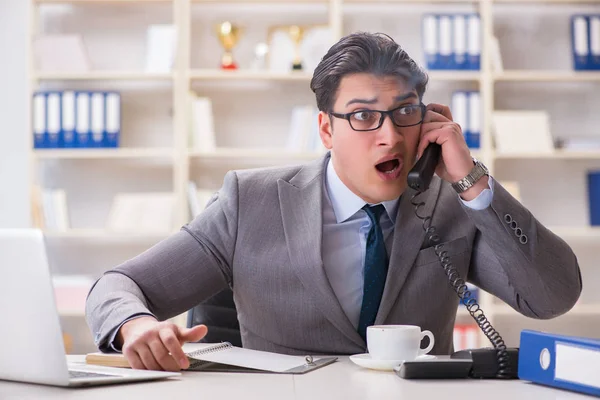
103	76
584	232
412	1
549	1
211	74
105	234
578	310
100	1
453	76
103	153
262	1
557	154
253	154
546	76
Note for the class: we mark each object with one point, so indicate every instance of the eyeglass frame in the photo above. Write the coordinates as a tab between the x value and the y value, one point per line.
347	116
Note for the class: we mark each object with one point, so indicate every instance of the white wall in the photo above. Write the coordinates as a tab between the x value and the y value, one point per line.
14	111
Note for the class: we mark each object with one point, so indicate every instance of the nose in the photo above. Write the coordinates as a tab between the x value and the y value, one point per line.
388	134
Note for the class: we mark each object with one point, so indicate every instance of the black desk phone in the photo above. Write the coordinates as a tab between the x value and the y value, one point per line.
494	362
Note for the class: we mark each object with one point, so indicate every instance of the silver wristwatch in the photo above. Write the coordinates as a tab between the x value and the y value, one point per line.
478	171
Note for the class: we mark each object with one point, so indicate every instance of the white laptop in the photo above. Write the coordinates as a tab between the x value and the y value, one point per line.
31	345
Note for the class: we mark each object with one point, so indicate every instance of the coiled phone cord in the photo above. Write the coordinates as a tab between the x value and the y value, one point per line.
460	287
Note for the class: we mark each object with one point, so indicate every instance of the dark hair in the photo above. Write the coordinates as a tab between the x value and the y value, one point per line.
362	52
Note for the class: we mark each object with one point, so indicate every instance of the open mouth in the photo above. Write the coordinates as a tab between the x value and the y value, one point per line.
388	167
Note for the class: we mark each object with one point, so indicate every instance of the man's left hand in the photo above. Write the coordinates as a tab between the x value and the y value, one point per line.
456	161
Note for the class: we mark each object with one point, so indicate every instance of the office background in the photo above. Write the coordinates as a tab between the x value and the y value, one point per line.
253	111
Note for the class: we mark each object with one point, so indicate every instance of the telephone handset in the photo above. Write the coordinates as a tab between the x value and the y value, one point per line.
496	362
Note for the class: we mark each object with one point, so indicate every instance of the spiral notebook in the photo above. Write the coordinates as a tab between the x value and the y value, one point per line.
224	357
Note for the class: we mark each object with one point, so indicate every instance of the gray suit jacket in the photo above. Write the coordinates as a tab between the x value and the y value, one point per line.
261	235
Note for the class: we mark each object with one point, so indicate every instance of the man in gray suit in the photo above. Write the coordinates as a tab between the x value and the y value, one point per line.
315	253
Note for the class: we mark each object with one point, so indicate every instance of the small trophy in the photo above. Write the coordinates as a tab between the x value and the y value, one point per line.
229	35
297	34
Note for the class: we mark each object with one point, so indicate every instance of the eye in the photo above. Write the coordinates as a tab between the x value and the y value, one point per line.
364	115
407	110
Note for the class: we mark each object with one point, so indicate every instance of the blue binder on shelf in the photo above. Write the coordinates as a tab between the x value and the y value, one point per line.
68	117
566	362
39	120
112	125
53	119
452	41
585	42
97	117
82	120
593	180
474	42
466	110
429	33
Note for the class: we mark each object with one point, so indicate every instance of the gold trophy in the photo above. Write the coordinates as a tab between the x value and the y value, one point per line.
229	35
297	34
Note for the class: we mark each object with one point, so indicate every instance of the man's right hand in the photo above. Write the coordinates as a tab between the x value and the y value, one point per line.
149	344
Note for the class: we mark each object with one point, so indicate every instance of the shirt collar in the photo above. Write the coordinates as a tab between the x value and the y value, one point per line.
345	203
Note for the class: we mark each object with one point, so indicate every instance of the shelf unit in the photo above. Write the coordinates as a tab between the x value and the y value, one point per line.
184	76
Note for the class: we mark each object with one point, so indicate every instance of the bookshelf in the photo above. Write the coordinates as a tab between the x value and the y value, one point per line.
195	69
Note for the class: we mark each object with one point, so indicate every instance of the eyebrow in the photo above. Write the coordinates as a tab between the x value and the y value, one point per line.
374	99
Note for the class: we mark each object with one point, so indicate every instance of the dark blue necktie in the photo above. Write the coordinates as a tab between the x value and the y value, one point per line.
376	267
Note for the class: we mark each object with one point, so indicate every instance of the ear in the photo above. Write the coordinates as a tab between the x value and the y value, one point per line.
325	130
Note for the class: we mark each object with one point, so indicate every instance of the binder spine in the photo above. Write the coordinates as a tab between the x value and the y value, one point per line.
580	35
460	42
430	41
474	42
445	41
97	119
82	126
474	112
53	112
595	42
68	110
113	119
39	120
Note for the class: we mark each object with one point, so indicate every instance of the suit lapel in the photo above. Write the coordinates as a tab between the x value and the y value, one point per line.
408	238
301	200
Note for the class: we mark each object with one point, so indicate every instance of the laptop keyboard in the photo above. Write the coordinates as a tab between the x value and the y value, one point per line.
82	374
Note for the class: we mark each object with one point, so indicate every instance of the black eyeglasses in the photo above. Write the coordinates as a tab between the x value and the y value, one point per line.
370	120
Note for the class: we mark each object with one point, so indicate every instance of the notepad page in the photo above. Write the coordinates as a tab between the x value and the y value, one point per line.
254	359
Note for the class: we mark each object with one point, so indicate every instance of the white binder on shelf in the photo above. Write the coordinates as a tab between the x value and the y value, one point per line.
445	40
82	123
474	137
203	130
160	50
39	120
430	41
474	42
299	134
595	41
53	119
112	131
67	131
459	40
97	118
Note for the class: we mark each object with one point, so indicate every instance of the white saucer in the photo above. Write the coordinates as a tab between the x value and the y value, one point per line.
365	361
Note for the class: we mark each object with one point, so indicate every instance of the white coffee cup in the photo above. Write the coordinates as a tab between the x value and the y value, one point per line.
397	342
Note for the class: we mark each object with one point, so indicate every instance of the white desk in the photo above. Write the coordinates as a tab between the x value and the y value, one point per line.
341	380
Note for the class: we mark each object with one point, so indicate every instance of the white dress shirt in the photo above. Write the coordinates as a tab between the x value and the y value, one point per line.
345	230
